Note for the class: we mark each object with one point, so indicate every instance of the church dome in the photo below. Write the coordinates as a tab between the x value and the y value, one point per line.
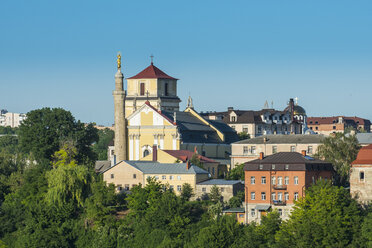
298	110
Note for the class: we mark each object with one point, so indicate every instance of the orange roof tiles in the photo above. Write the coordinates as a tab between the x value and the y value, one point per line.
364	156
152	72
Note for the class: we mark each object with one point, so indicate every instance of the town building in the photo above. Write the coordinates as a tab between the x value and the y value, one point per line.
361	175
238	213
278	180
227	188
364	139
291	120
8	119
127	174
334	124
183	156
250	149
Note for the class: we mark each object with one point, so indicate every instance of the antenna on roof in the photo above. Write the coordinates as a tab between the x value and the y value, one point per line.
266	106
152	59
272	104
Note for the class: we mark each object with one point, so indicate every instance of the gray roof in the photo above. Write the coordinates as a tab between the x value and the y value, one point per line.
262	207
102	165
194	130
220	182
234	210
163	168
285	139
364	138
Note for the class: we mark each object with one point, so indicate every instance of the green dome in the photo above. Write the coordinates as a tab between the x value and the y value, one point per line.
298	110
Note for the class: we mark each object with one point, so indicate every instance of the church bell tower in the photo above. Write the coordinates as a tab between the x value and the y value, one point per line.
120	121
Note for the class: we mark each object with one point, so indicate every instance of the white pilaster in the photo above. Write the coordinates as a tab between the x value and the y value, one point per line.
137	147
131	145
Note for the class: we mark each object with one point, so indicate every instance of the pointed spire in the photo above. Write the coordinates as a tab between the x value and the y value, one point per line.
266	106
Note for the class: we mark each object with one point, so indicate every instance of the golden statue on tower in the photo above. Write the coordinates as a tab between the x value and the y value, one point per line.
119	61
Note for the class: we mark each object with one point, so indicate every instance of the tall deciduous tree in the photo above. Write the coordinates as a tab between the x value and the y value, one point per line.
237	173
340	150
100	148
45	129
326	217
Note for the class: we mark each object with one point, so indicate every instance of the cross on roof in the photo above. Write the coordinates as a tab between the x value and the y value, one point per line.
152	58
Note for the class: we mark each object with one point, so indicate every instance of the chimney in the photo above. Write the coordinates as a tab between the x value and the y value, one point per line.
188	164
230	108
154	153
303	152
261	155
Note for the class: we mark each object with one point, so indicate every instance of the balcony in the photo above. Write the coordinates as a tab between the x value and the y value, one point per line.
280	187
279	203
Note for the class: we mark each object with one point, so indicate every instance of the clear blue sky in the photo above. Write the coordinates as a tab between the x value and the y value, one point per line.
225	53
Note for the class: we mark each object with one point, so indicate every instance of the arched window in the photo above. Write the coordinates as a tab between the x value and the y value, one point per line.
166	89
145	153
142	89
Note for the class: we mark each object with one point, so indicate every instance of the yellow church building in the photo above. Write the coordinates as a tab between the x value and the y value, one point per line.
147	114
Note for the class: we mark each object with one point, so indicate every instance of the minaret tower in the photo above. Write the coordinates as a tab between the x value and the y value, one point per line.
120	121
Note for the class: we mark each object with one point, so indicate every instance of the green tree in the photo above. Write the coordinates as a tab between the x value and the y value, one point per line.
237	173
45	130
100	148
366	231
340	150
67	181
195	160
326	217
215	194
237	200
186	192
243	136
9	143
8	130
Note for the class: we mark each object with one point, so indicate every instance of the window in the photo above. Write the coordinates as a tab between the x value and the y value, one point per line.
245	129
275	149
261	166
293	148
316	128
145	153
233	118
296	196
273	196
164	177
233	127
263	196
170	177
253	212
263	180
204	189
310	150
120	187
286	196
241	215
253	196
134	185
222	189
134	176
142	89
280	212
253	180
178	177
126	187
253	149
286	166
296	180
212	170
273	180
179	187
245	150
334	127
112	152
157	177
273	166
313	178
280	180
280	196
166	89
361	176
112	175
171	187
286	180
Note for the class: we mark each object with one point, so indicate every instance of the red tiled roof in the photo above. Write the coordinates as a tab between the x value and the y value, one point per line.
334	120
364	156
152	72
185	155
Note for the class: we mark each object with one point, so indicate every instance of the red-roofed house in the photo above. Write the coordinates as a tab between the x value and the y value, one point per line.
328	125
152	85
182	156
361	175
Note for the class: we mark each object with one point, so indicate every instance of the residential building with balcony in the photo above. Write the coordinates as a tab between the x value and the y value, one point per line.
278	180
250	149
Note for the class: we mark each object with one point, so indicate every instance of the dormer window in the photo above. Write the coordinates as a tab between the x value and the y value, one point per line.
233	118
